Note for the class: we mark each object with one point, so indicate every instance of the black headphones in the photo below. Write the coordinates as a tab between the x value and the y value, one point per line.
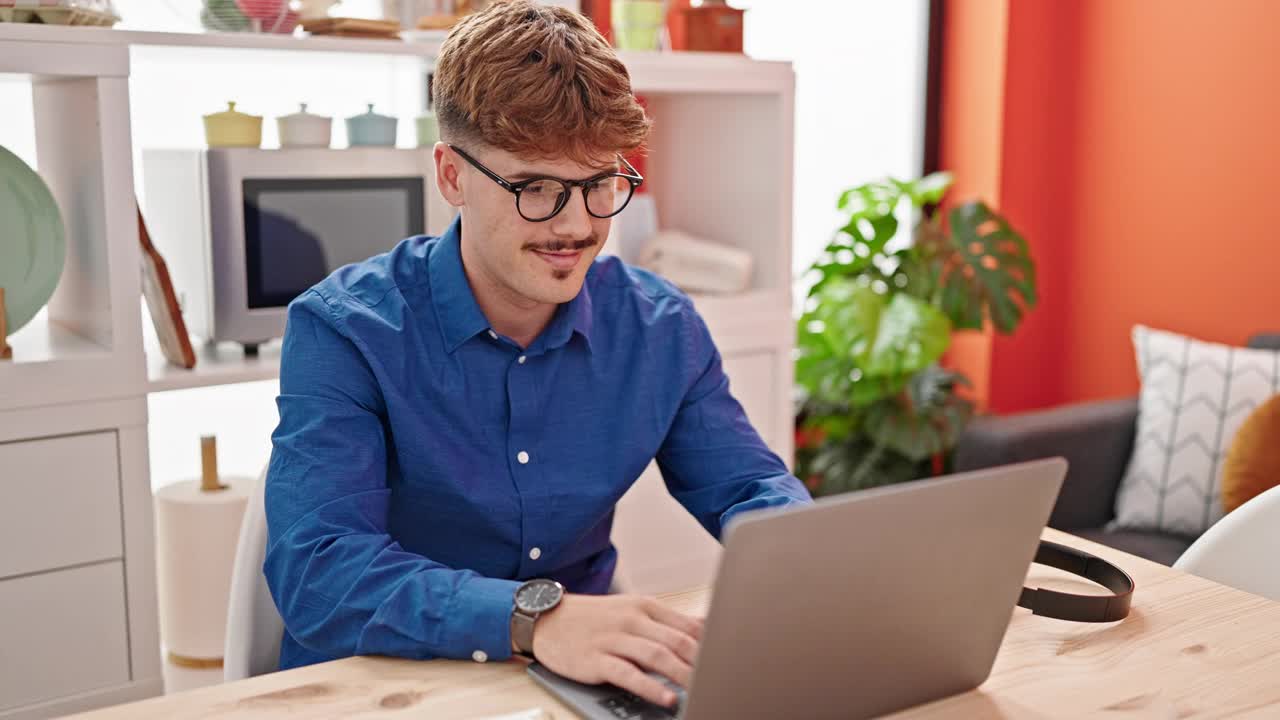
1079	608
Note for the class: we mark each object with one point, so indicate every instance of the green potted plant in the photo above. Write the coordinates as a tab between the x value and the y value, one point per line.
874	405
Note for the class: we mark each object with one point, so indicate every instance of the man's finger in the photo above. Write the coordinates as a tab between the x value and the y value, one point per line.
679	642
627	676
653	656
690	626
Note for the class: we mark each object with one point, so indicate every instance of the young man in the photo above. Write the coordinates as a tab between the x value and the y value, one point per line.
459	416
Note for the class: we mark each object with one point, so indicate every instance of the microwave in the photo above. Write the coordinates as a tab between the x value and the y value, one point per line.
244	231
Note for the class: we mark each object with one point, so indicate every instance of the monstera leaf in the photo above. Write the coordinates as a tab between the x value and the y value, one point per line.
910	336
924	419
857	465
990	273
928	190
857	345
872	224
832	338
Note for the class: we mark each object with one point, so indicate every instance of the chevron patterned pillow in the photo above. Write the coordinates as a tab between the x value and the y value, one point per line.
1195	395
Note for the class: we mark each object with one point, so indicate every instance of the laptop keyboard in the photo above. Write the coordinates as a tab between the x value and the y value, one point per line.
626	706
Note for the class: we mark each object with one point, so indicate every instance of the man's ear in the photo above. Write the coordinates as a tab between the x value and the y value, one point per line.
448	175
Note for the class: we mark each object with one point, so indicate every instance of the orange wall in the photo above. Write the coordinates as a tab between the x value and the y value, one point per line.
1139	149
1036	194
1178	220
972	101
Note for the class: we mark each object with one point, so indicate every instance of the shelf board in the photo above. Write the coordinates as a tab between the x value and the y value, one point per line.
651	72
705	73
45	342
221	364
724	308
52	364
754	320
424	44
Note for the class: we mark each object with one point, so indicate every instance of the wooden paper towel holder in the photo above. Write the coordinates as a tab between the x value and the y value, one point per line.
6	352
209	465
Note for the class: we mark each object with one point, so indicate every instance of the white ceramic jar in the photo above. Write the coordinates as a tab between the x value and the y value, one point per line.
304	129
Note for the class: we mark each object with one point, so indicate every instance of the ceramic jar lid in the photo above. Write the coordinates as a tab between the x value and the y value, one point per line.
370	128
231	128
304	129
428	130
309	9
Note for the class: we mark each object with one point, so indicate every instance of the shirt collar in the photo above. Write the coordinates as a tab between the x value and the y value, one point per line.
573	316
459	314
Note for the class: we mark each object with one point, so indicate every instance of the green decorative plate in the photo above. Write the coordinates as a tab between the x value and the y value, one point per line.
33	243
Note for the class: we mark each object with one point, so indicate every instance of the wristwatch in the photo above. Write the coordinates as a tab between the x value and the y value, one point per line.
533	598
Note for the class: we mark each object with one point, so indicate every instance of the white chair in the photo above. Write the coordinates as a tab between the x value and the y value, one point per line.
1240	550
254	626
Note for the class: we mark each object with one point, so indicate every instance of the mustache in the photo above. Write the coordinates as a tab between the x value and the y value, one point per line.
565	245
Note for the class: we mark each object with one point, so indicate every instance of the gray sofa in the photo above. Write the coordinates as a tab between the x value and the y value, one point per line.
1096	438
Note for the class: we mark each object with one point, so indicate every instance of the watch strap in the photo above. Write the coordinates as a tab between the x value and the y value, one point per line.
522	632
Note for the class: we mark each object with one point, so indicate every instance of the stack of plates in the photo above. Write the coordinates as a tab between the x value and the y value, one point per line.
271	16
32	241
353	27
59	12
223	16
268	16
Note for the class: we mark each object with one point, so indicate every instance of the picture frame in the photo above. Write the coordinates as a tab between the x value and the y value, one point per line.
162	302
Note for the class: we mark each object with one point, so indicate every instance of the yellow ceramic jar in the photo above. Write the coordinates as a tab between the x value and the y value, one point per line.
231	128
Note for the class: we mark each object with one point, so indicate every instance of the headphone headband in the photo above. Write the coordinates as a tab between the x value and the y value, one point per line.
1079	608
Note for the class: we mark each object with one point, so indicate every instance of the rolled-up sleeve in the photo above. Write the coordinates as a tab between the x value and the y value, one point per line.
342	584
712	459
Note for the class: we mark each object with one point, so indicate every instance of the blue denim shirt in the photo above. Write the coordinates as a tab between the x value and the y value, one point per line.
421	457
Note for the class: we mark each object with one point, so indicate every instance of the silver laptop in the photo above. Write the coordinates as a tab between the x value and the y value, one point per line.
857	606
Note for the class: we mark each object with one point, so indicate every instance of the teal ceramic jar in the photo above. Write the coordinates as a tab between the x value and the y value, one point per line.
370	128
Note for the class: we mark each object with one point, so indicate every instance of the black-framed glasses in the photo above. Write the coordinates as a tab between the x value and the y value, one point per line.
539	199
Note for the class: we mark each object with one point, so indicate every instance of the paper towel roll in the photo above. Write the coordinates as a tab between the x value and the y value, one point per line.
196	535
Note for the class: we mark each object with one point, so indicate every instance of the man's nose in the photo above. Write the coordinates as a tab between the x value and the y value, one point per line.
573	221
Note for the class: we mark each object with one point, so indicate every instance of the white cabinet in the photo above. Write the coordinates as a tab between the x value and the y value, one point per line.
751	380
78	622
59	502
64	633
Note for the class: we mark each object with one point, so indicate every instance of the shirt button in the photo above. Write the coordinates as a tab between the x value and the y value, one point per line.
479	656
522	359
535	553
523	457
493	335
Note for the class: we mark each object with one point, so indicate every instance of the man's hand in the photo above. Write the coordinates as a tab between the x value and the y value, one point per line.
619	639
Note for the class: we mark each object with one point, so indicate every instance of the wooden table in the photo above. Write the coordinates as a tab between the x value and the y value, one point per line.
1189	647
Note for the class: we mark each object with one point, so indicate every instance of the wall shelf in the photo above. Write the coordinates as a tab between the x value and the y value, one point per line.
651	72
42	342
221	364
425	45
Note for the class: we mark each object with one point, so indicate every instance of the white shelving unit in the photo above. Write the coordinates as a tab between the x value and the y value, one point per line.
719	167
77	573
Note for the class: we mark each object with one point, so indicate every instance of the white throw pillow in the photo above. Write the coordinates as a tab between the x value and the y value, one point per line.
1195	395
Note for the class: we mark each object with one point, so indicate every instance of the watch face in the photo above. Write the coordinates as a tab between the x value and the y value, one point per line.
538	596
